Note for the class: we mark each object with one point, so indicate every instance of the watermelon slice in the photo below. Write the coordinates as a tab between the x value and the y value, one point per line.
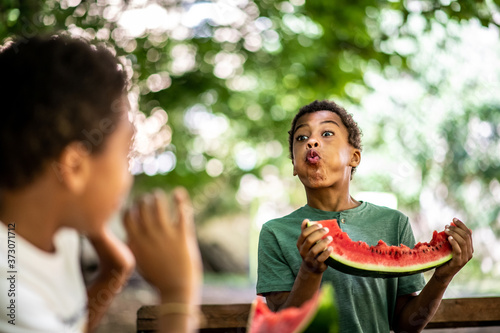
382	260
319	314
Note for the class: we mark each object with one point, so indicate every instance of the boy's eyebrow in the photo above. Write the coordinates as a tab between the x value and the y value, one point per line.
323	122
331	121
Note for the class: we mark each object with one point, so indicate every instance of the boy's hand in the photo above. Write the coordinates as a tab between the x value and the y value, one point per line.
313	249
116	263
460	238
165	248
115	258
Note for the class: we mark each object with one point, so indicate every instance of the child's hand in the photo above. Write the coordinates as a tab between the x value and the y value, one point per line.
165	248
313	249
115	257
460	238
116	263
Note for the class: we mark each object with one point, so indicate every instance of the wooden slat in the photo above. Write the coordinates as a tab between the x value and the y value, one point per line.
215	318
146	319
234	315
467	312
452	313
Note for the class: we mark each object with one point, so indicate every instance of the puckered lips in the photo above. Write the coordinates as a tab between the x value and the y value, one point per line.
312	157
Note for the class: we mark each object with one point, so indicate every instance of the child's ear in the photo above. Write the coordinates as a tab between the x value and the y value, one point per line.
293	164
72	168
355	158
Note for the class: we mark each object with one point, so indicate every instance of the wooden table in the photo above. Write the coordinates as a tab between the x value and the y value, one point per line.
232	318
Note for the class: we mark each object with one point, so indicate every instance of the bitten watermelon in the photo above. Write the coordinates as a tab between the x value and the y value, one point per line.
382	260
319	314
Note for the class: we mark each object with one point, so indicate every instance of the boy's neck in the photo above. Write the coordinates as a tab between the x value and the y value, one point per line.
328	199
34	212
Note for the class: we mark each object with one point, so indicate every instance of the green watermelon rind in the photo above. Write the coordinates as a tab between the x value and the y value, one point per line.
380	271
326	318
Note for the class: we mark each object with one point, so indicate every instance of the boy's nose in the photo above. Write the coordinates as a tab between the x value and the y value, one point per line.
312	143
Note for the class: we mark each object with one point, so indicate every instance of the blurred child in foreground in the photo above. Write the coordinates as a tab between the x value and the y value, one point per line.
64	144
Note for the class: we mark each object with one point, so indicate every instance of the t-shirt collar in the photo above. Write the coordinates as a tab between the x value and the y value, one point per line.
328	214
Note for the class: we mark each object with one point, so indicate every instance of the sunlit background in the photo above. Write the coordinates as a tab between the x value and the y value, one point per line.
215	84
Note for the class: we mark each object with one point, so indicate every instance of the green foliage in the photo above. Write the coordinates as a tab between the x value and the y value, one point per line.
231	88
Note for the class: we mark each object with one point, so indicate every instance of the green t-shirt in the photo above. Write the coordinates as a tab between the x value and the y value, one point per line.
365	304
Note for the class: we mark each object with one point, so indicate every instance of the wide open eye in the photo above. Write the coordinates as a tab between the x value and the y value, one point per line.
301	137
328	133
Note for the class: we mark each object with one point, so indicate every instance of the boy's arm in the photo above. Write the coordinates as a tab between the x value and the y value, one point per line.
168	257
414	312
314	251
116	263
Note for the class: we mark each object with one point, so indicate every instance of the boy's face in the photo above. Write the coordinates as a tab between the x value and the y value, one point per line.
110	179
322	155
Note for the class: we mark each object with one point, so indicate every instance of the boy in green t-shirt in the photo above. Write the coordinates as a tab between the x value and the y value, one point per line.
325	148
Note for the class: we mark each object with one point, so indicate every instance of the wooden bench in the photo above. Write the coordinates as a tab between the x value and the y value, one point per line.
232	318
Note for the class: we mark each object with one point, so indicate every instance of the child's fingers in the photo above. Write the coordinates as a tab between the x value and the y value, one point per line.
462	236
325	254
129	223
461	251
311	229
302	237
465	232
160	207
455	247
313	242
460	228
146	217
461	225
321	246
304	224
184	209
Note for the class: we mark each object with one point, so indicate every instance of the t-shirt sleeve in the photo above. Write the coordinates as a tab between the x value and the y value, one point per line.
413	283
273	273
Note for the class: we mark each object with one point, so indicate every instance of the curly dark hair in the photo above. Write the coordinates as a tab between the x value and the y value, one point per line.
55	90
354	133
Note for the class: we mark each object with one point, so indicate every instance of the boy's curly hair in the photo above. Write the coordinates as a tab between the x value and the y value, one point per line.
354	133
54	91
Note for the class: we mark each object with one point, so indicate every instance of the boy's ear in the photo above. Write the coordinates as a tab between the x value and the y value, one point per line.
72	168
355	158
293	164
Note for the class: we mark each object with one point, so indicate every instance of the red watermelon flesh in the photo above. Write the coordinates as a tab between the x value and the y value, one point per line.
382	260
287	320
319	314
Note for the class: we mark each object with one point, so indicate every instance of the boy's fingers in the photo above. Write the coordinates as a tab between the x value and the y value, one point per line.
460	228
464	231
461	225
145	212
127	223
455	247
304	224
321	246
160	207
301	238
325	254
311	229
184	209
311	236
130	224
462	235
